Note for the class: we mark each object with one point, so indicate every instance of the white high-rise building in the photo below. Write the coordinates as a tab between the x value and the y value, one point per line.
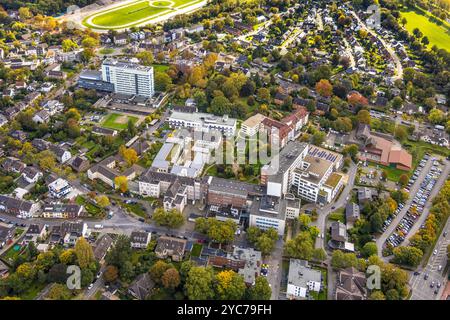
128	77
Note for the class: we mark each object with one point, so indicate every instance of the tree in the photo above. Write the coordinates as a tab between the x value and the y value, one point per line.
369	249
158	269
363	116
403	180
84	253
263	94
162	81
59	292
301	247
68	45
318	138
261	290
219	231
145	57
357	100
172	218
408	255
324	88
377	295
384	174
341	260
67	256
129	155
220	105
351	150
436	116
121	183
229	285
89	42
120	253
199	283
111	274
171	278
25	13
401	133
319	254
304	221
102	201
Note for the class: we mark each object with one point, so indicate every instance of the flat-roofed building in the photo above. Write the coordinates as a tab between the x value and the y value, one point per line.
128	77
252	125
203	122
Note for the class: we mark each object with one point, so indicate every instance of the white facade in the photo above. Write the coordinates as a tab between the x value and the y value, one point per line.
265	223
129	78
203	122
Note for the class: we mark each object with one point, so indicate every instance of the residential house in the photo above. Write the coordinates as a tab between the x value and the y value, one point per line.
141	287
61	154
140	239
170	247
12	165
6	234
80	164
41	116
59	188
31	174
68	233
17	207
61	211
101	247
351	285
35	233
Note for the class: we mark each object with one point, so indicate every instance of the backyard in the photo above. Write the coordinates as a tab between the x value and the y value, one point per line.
118	121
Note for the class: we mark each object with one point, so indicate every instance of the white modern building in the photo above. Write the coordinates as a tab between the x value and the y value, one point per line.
129	78
59	188
302	279
308	171
203	122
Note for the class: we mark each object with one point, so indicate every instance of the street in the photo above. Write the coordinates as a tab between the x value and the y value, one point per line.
420	286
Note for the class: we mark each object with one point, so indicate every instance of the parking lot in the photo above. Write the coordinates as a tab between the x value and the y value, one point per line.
421	196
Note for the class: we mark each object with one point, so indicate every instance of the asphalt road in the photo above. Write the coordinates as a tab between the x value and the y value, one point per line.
339	203
420	287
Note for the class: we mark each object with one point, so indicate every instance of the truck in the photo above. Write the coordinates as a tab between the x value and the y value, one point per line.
439	127
98	226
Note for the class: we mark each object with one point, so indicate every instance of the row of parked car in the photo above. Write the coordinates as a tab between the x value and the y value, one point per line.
418	202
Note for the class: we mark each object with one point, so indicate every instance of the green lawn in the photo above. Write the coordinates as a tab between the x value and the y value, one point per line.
160	67
438	32
196	250
91	208
393	174
419	148
116	121
134	13
106	51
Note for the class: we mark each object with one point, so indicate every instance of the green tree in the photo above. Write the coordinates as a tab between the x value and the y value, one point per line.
59	292
199	283
162	81
369	249
84	253
229	285
261	290
120	253
145	57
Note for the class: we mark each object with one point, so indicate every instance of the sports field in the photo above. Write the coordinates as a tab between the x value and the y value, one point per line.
134	13
438	32
117	121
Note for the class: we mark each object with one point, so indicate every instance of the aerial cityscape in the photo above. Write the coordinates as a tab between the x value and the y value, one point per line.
224	150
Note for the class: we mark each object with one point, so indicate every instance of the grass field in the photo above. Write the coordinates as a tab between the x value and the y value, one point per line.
117	121
438	32
134	13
